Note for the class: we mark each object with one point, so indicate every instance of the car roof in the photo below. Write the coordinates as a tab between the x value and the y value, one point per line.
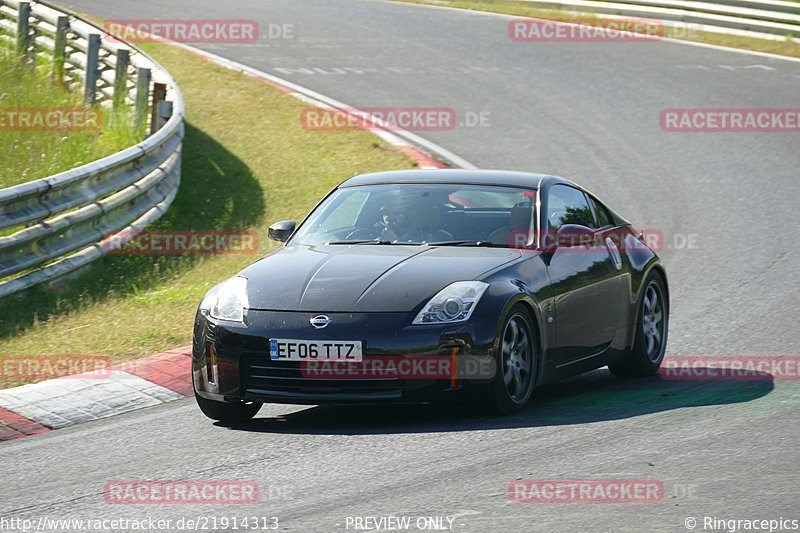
509	178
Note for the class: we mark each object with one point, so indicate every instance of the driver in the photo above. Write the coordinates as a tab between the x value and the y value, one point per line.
415	223
393	221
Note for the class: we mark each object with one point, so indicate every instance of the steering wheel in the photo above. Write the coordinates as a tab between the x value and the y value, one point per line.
359	234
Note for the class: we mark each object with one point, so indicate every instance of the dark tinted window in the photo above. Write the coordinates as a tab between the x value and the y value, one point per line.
567	205
415	213
603	218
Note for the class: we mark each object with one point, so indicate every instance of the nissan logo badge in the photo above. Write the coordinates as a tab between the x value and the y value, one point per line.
320	321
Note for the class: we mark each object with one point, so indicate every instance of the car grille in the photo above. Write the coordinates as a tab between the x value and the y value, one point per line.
262	374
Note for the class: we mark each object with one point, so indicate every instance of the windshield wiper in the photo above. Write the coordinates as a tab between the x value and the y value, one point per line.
440	243
462	243
360	241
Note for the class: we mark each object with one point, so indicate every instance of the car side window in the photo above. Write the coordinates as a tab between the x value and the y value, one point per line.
603	218
567	205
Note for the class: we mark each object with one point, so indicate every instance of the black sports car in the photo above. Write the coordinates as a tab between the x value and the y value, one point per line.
410	285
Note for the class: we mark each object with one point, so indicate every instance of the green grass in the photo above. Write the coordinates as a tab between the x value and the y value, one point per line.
30	155
247	162
525	9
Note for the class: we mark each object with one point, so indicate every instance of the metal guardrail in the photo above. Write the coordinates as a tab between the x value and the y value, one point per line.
765	19
63	220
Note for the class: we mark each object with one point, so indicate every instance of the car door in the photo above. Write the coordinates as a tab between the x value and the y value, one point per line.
586	281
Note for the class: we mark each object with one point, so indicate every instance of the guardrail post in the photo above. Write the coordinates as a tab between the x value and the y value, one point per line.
164	112
23	28
60	49
142	93
159	94
92	69
121	78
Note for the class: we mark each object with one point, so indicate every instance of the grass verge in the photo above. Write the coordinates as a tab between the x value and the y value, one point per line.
247	162
525	9
30	155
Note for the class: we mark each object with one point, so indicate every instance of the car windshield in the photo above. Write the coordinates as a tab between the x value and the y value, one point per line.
431	214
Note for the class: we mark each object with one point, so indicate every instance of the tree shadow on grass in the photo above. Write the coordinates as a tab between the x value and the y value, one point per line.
217	192
592	397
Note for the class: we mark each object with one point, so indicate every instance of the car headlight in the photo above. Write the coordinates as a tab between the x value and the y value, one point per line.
228	300
454	303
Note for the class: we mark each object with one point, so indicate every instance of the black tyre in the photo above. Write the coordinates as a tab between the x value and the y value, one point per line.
227	411
516	363
652	326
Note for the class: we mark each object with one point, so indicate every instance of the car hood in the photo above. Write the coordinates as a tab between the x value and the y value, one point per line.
363	278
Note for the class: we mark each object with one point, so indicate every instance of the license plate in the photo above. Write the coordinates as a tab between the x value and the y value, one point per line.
302	350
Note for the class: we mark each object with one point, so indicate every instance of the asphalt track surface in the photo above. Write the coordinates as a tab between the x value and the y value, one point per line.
586	111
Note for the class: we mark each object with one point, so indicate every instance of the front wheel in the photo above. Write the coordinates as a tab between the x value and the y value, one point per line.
650	341
515	363
227	411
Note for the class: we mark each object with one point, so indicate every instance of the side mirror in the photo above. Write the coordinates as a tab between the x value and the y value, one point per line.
281	231
570	235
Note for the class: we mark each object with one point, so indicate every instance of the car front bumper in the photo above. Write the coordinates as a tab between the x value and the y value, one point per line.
231	361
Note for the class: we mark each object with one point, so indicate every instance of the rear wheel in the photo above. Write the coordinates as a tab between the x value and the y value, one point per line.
651	332
515	363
